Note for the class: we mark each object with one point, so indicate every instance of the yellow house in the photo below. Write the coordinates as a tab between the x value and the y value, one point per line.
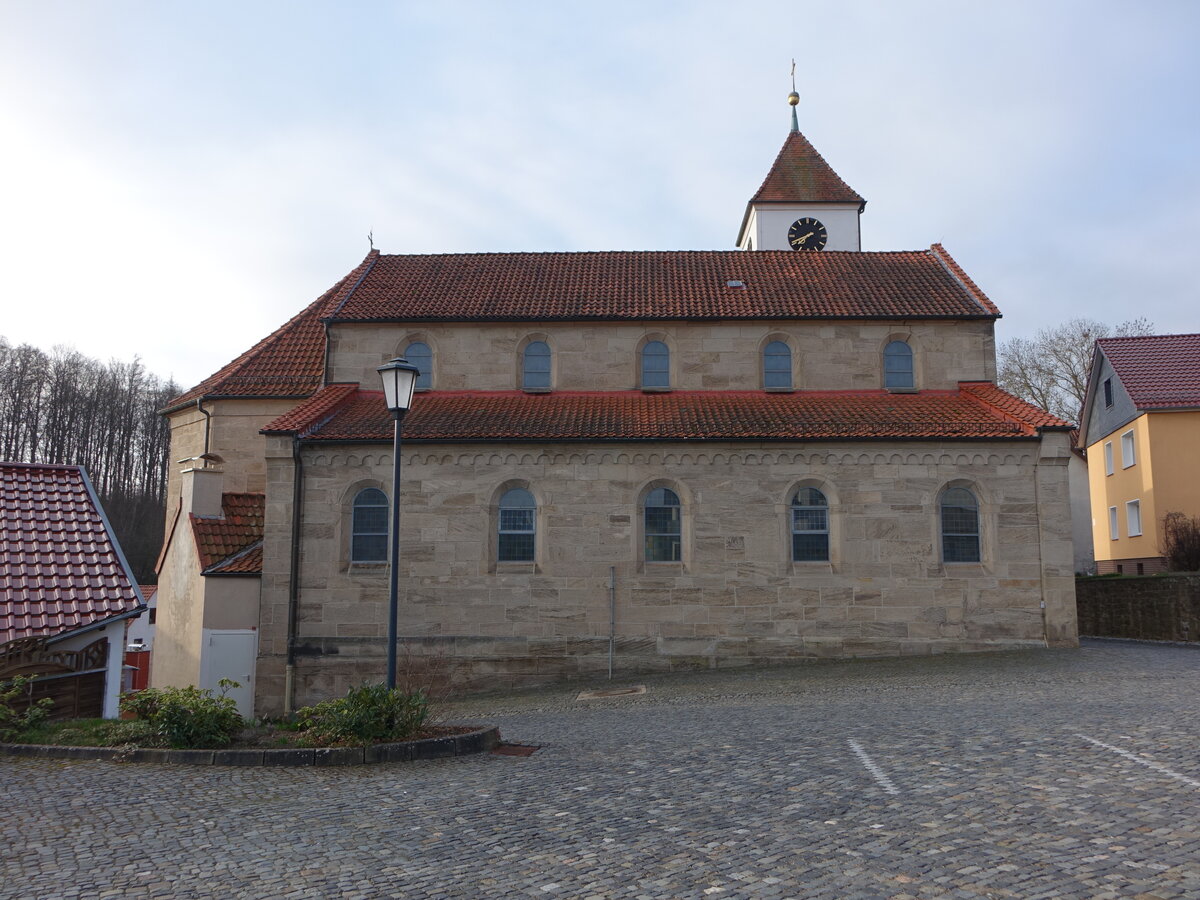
1141	428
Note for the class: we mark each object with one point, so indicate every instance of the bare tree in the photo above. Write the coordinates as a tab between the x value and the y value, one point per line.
64	407
1051	369
1181	542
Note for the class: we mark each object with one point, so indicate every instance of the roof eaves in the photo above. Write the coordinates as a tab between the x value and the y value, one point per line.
112	536
964	280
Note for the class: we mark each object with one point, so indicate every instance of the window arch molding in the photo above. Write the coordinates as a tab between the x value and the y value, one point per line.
499	524
543	380
766	349
654	529
894	375
662	370
348	527
952	528
833	515
426	380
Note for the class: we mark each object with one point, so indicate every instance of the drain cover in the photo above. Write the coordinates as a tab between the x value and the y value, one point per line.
514	750
612	692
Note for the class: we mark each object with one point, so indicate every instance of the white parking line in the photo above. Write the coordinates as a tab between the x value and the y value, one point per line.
1144	762
876	772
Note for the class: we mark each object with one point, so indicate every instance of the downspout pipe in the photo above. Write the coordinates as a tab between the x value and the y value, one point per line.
289	683
207	422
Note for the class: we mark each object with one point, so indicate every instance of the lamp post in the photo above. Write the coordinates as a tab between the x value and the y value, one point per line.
399	378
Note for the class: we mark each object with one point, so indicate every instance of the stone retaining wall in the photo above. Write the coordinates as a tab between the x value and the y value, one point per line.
1154	607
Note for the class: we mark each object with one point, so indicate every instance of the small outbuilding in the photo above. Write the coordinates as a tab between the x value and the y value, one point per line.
66	589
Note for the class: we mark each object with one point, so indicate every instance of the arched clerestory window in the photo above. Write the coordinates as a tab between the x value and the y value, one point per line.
960	525
662	526
810	526
516	526
420	355
535	366
656	365
898	365
369	527
777	365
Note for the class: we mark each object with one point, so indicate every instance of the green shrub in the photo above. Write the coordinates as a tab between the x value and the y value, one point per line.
187	717
368	713
12	723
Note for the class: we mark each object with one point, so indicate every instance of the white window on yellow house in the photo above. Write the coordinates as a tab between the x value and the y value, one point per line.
1127	457
1133	517
1108	458
1114	530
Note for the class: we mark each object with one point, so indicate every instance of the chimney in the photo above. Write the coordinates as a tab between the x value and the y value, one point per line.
201	490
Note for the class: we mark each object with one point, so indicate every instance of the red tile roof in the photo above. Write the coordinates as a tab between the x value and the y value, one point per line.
289	362
801	175
1160	371
974	411
776	284
61	567
220	538
625	285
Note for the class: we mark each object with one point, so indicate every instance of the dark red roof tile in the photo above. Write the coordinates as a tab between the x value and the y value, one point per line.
801	175
60	567
775	284
220	537
974	411
1160	371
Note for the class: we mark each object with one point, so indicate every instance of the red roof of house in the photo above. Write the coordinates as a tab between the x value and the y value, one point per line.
61	567
801	175
976	410
223	542
1160	371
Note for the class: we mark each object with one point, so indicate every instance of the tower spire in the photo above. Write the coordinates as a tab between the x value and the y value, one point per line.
794	98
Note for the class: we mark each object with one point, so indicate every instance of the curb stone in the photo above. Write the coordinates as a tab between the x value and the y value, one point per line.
478	741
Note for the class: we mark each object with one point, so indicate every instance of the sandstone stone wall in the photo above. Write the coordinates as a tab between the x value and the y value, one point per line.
1156	608
603	356
736	597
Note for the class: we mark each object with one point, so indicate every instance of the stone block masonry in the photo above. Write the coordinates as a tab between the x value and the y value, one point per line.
735	598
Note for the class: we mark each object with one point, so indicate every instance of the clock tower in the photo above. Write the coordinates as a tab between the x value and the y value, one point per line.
803	204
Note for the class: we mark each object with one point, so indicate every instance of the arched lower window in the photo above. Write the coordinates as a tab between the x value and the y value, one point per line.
656	365
517	526
898	365
777	365
535	366
960	526
369	527
419	354
663	529
810	526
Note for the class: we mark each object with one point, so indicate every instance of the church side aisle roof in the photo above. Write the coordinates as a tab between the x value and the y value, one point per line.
977	410
801	175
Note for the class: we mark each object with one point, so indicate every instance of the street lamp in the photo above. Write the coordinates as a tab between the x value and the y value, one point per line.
399	378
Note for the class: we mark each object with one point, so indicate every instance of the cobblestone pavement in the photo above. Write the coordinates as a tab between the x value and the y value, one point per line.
1034	774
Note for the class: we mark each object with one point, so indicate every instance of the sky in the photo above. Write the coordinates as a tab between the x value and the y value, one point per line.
179	179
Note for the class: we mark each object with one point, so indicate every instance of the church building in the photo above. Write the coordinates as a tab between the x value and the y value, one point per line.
791	450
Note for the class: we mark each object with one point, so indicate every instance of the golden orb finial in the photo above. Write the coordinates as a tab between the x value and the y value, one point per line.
793	98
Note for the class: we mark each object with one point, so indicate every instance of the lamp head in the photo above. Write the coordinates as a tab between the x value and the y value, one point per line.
399	379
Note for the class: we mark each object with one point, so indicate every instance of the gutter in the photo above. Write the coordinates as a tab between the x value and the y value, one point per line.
289	682
97	625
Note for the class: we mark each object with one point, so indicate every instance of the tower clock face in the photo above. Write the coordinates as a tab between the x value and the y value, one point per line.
807	234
